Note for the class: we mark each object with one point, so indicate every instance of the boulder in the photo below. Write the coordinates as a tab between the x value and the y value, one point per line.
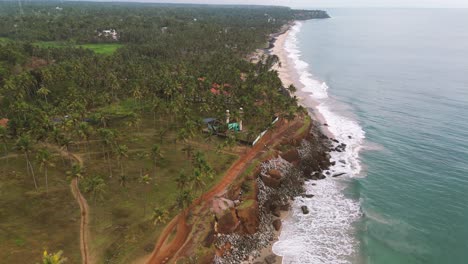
316	176
277	224
339	174
248	216
271	259
276	211
209	238
228	221
275	174
304	209
284	207
271	182
291	156
308	195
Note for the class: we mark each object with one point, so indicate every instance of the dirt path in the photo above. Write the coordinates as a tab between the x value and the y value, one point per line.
165	250
84	229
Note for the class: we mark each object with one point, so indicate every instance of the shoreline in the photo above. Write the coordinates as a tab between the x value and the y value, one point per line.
289	76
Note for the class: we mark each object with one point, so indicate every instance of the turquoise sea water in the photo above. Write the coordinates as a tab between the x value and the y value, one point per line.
402	76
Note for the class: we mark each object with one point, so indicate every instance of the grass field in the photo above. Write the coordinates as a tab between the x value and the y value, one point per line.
4	40
105	49
121	219
99	48
34	221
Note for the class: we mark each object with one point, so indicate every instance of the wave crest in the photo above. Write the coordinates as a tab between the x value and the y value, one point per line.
326	235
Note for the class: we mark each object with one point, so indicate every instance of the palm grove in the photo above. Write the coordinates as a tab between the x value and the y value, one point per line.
133	116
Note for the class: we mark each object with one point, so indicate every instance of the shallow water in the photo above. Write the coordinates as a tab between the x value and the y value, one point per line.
393	85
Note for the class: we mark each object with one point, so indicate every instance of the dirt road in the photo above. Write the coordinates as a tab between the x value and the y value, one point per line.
165	250
84	209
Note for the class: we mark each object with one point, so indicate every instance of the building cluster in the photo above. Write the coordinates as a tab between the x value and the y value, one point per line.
109	34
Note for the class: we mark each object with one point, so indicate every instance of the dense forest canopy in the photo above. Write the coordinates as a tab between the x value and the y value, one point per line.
167	49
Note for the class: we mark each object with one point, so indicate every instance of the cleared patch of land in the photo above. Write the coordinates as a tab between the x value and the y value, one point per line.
4	40
99	48
121	215
32	221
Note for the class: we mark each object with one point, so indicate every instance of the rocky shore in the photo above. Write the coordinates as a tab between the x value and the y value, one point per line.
277	181
246	231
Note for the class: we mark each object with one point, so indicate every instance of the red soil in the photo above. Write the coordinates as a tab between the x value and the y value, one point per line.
165	250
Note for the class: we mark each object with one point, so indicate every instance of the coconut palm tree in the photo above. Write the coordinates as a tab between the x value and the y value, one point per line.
145	180
24	145
96	185
76	171
122	152
198	179
182	180
53	258
45	161
160	216
184	199
44	92
108	137
3	137
84	131
156	156
188	149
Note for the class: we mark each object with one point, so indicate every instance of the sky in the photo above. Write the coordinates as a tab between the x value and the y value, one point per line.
328	3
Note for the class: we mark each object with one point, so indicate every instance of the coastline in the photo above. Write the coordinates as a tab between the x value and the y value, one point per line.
342	151
289	76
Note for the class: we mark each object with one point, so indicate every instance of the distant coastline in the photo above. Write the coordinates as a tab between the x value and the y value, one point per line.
289	76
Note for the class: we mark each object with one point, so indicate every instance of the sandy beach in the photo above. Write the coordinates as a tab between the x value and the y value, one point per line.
288	75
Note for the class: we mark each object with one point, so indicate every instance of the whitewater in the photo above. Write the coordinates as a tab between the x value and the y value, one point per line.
327	234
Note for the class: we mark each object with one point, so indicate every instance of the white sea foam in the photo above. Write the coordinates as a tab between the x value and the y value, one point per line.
326	234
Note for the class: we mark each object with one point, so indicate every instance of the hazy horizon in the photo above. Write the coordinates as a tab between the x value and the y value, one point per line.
319	3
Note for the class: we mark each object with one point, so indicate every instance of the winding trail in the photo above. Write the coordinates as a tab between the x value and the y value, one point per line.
165	250
84	230
84	209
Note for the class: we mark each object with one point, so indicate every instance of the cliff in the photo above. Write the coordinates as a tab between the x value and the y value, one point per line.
246	227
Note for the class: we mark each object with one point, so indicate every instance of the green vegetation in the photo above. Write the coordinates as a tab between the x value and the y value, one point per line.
105	49
4	40
246	204
305	126
133	118
36	220
98	48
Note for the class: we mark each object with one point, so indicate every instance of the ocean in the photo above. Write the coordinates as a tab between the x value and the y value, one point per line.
392	84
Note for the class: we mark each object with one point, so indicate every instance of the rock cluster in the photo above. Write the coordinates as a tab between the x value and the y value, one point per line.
280	179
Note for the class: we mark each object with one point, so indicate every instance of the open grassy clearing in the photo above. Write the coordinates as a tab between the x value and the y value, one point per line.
4	40
33	221
121	220
99	48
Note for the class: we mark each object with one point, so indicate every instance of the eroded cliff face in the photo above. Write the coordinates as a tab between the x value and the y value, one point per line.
254	204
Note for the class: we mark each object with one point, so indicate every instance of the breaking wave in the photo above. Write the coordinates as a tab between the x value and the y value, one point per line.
326	234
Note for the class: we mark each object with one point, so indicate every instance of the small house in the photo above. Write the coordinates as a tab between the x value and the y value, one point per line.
4	122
